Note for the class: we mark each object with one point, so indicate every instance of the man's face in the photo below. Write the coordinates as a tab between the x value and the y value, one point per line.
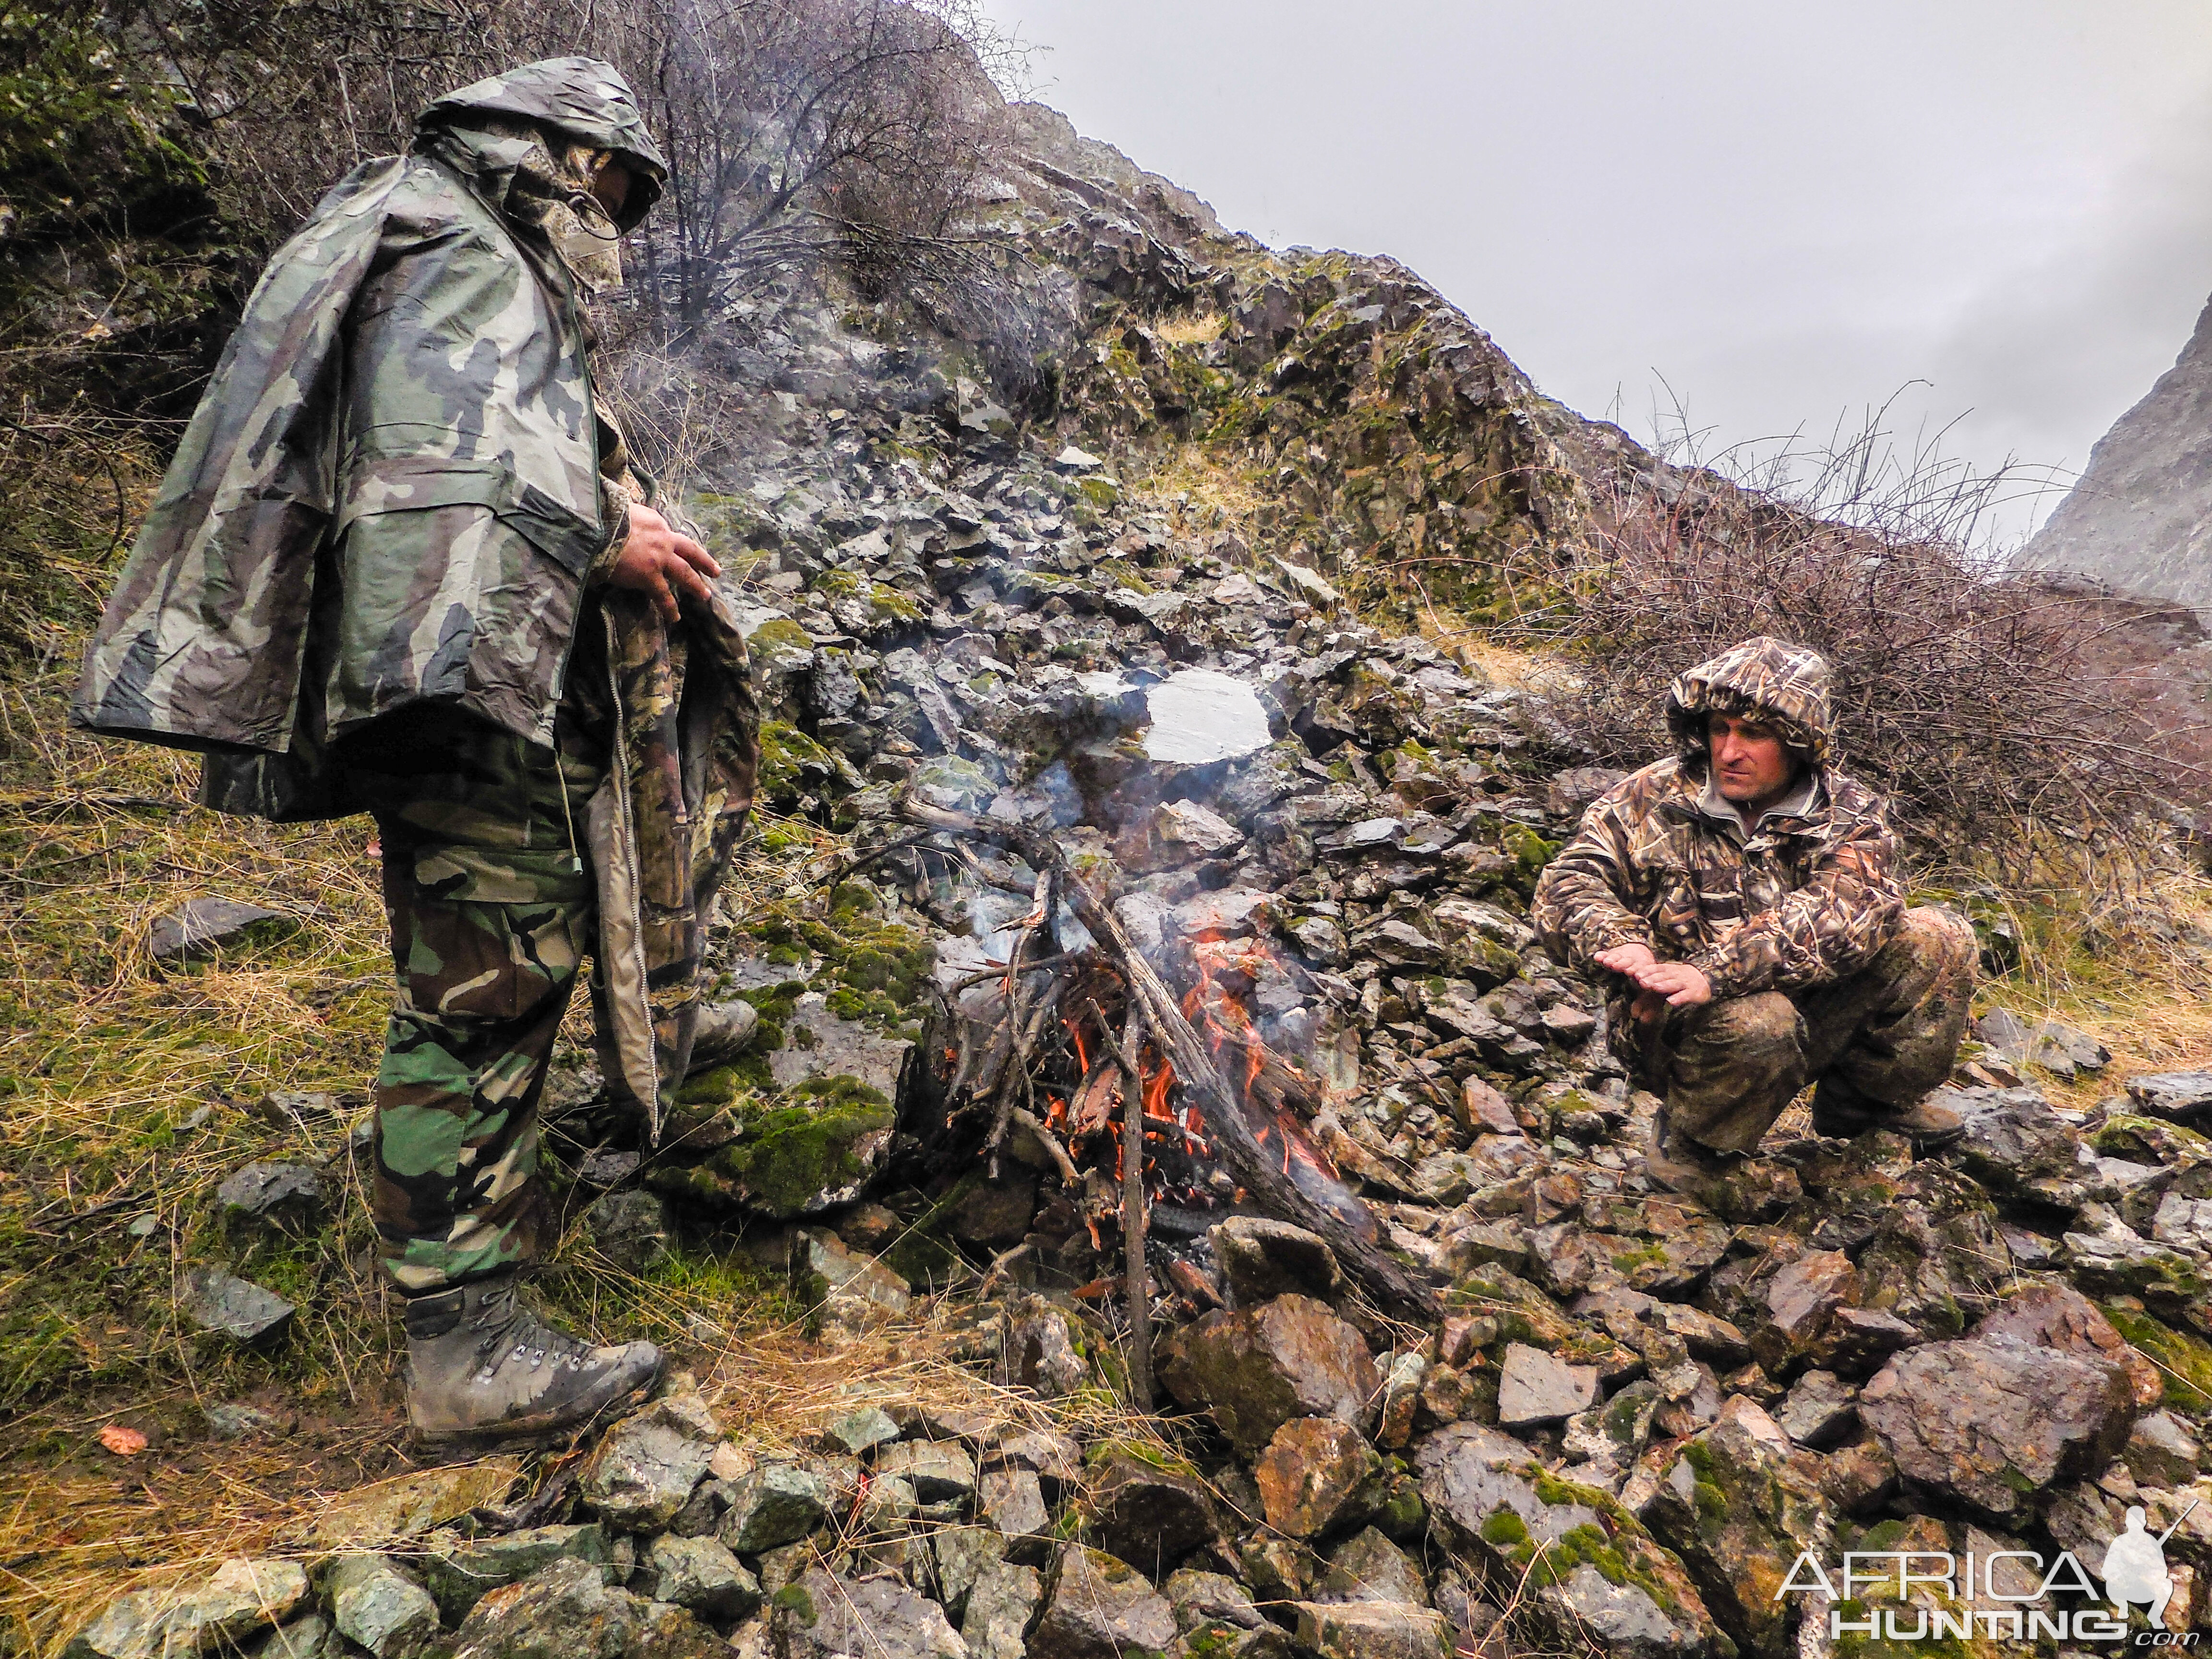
1750	765
612	188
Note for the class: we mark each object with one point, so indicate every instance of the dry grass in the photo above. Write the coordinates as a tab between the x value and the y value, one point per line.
1223	494
1197	329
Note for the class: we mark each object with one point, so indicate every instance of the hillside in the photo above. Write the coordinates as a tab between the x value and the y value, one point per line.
1168	575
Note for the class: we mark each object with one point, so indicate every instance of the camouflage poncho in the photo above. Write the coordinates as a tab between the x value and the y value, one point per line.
1804	898
397	488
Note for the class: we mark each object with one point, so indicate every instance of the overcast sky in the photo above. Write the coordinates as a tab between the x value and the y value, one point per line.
1789	209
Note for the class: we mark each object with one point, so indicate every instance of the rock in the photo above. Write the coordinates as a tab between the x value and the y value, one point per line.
236	1308
409	1505
311	1636
202	925
2055	1315
2161	1452
1149	1513
1011	1502
1185	823
1570	792
941	1470
1602	1442
1371	1630
458	1571
1043	1352
703	1575
1316	1473
1000	1605
1489	1500
568	1610
821	1143
1369	1567
377	1607
1200	716
1737	1506
852	1289
1535	1388
1265	1259
640	1474
868	1427
2184	1095
631	1228
773	1504
1257	1368
233	1420
1100	1607
1056	1457
241	1597
1994	1422
1398	944
1799	1299
288	1194
2011	1136
1821	1410
1202	1598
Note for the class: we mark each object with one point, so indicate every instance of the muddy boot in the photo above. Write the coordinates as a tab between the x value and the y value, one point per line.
724	1031
1842	1113
1673	1160
481	1370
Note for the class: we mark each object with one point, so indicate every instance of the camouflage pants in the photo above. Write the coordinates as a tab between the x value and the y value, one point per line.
492	912
1884	1036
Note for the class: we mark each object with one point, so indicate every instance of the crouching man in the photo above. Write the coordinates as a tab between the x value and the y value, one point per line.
1744	902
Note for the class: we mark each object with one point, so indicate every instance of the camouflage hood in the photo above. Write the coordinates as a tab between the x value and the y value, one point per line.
1763	679
585	100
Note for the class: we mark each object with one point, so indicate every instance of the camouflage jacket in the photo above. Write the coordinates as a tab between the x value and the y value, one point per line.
399	486
1807	895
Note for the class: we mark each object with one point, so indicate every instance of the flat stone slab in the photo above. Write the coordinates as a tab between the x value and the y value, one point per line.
204	924
1534	1387
234	1307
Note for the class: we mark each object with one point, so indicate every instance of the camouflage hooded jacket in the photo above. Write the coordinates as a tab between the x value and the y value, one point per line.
397	488
1807	895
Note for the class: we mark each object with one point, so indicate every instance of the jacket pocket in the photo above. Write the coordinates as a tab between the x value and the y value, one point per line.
409	483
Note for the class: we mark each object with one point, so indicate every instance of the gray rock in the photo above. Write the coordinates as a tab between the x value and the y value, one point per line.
1369	1567
240	1598
821	1616
1993	1422
941	1471
1187	824
1143	1512
459	1572
230	1420
818	1043
1535	1388
1000	1605
1100	1608
868	1427
775	1503
1257	1368
641	1473
313	1637
201	925
568	1611
1264	1258
851	1287
1571	790
1011	1503
2011	1136
1820	1410
1209	1598
236	1308
631	1228
2184	1095
289	1193
378	1607
703	1575
961	1554
2161	1452
1371	1630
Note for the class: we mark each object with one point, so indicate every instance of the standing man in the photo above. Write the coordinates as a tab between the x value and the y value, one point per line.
1744	900
403	563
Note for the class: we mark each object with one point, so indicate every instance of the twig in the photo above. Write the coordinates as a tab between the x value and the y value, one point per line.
1050	1142
1133	1213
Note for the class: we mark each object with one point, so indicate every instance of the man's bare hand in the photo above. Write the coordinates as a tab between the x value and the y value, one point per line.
1683	985
657	562
1629	960
1648	1007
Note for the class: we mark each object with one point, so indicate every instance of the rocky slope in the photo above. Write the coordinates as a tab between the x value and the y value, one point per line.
1106	602
2137	518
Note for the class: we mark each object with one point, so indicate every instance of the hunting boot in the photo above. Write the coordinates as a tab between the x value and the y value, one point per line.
1842	1113
482	1370
723	1032
1673	1160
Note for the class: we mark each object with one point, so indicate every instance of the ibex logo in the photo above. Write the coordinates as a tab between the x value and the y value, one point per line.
1988	1597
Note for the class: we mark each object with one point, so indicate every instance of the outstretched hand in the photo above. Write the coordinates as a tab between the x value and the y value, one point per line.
1661	984
660	564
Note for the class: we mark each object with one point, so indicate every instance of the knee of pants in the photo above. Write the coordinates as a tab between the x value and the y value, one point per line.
1758	1037
1937	940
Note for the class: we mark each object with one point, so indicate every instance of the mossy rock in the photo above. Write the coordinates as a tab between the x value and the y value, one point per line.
2182	1358
814	1150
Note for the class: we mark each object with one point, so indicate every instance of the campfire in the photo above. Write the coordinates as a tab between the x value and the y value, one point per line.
1153	1107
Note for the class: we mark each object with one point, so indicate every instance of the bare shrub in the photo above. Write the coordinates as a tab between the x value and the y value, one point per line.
1964	692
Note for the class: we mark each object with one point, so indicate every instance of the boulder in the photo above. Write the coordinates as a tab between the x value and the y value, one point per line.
1535	1388
631	1228
773	1504
1257	1368
2161	1452
2184	1095
1100	1607
1820	1410
1000	1605
1797	1304
409	1505
239	1599
1045	1349
2050	1315
1317	1473
941	1471
1737	1505
1264	1258
822	1615
1994	1422
458	1571
1589	1570
1011	1502
568	1611
863	1430
701	1574
1149	1513
2011	1136
642	1473
851	1288
202	925
236	1308
1371	1630
378	1607
1369	1567
283	1194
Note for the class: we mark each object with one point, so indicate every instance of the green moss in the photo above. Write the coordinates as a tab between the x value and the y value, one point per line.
2183	1359
793	1600
778	634
787	1154
1507	1531
785	752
